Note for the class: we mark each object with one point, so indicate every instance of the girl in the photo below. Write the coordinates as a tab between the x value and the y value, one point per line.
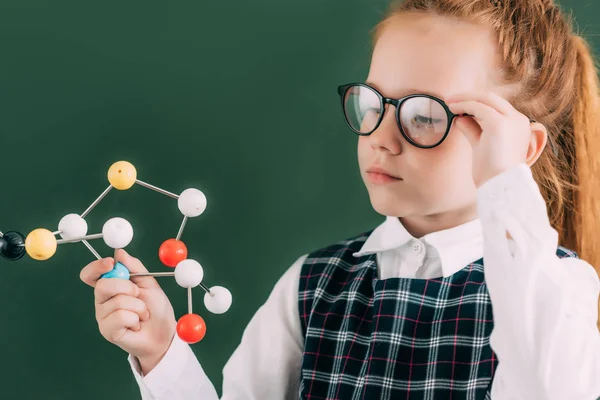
478	128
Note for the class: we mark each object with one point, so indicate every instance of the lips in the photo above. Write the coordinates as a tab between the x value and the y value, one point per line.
381	176
381	171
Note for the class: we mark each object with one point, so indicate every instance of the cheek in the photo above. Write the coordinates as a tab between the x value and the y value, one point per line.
455	150
448	164
363	150
459	153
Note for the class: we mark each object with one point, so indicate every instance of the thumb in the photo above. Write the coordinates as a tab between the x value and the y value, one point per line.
135	266
470	128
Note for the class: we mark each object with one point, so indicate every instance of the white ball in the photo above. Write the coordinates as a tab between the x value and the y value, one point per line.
117	233
72	226
191	202
189	273
220	300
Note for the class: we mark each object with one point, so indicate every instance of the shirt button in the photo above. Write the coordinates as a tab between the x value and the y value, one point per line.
417	247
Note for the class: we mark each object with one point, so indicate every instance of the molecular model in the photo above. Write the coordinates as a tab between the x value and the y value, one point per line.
117	233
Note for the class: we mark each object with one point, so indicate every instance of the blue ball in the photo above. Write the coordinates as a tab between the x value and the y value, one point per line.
119	271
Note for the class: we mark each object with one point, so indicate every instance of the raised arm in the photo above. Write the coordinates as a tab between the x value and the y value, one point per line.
545	308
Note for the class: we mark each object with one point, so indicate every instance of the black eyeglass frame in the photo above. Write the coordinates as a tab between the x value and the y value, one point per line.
343	89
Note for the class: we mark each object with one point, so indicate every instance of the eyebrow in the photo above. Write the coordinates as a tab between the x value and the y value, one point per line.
406	91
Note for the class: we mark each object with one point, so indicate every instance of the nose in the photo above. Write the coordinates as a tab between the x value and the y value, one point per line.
387	136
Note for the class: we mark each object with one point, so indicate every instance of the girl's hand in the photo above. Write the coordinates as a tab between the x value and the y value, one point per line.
499	134
135	314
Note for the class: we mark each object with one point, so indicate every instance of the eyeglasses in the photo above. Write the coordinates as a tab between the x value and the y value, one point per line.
424	120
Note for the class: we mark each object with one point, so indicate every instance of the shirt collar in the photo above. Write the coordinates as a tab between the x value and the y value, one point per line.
456	247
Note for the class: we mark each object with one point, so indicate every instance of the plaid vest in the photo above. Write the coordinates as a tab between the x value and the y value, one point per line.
367	338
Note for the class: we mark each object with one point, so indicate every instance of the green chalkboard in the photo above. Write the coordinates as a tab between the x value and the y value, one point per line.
236	98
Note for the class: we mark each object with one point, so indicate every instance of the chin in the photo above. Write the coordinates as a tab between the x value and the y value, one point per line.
389	206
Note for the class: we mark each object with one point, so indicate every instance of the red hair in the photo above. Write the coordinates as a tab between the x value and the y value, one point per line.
557	80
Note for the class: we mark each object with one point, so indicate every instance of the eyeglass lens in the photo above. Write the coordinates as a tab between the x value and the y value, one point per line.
422	119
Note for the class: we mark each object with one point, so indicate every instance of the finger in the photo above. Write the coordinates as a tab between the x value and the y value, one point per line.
485	115
122	302
135	266
490	99
116	324
106	289
90	274
469	128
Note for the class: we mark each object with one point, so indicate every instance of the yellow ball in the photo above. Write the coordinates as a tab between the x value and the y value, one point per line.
40	244
122	175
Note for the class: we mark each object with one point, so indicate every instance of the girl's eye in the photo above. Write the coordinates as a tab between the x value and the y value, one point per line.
371	111
421	119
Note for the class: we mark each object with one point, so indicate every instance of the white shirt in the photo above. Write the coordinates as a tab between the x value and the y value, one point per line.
545	308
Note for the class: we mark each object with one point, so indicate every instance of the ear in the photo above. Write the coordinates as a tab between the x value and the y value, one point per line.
537	142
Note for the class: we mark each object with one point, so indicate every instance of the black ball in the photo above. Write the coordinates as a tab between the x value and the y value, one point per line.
12	246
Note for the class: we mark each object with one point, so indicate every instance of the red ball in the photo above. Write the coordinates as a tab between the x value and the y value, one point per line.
191	328
172	252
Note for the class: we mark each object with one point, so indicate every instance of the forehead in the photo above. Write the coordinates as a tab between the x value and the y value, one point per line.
434	55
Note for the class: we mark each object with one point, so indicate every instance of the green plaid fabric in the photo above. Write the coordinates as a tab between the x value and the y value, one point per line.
396	338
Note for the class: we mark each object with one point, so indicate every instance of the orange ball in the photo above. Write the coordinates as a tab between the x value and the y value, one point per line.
191	328
172	252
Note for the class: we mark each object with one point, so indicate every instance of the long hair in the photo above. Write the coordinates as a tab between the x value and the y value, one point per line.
555	74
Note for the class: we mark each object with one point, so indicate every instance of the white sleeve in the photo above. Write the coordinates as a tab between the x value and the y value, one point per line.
545	308
265	365
178	376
